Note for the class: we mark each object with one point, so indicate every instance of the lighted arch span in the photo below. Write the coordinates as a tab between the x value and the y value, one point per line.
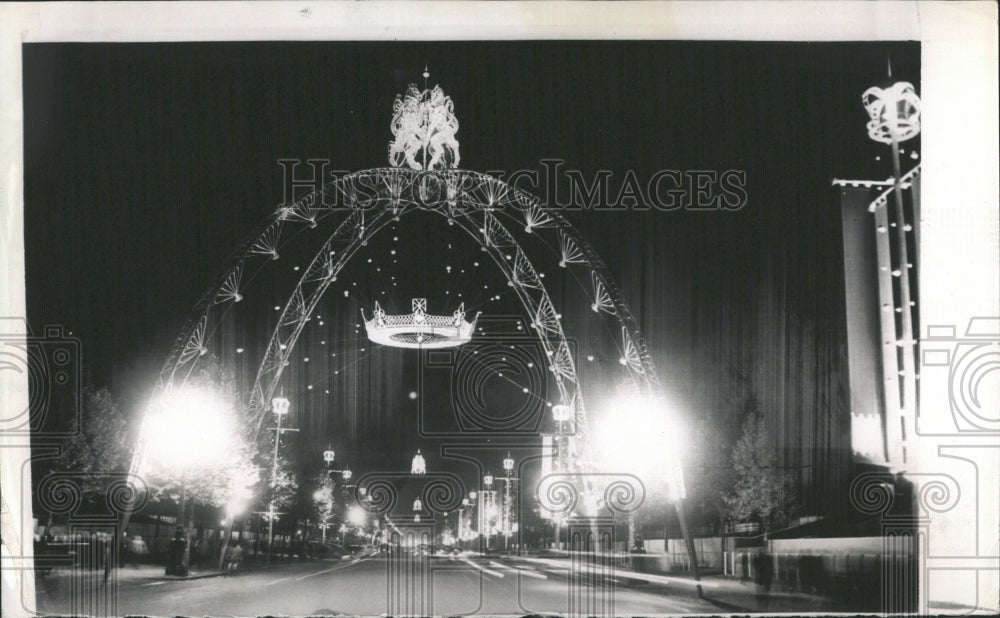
357	207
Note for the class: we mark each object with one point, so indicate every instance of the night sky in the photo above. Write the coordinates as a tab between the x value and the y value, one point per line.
146	165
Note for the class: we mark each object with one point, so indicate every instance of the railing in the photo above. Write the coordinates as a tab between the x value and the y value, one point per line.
835	575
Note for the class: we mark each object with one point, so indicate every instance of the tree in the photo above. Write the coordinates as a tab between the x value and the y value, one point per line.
100	450
762	491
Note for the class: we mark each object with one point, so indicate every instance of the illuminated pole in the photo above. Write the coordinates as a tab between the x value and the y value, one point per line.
279	405
895	117
508	467
489	501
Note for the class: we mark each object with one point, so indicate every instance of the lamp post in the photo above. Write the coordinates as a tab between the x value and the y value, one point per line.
561	414
279	406
486	510
508	479
171	444
640	435
473	495
461	522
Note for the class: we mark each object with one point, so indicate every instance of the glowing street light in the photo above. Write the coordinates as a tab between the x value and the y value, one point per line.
508	463
640	435
561	413
418	466
329	455
346	474
357	516
171	442
488	480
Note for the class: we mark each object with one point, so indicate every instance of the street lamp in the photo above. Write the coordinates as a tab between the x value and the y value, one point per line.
279	406
418	466
640	435
508	479
170	442
561	413
346	474
329	455
418	506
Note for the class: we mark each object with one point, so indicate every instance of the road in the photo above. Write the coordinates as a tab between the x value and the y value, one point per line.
374	585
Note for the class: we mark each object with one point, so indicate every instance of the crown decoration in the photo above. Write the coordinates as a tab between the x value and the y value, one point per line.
892	111
424	126
419	329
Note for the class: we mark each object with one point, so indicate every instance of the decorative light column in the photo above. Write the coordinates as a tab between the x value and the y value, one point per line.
507	527
486	509
895	117
279	406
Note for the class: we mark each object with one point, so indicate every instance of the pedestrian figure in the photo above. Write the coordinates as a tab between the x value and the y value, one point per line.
177	546
763	571
235	556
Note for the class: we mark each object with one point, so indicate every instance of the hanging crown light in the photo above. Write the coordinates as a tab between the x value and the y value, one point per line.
561	413
329	455
893	112
347	474
280	405
508	463
419	329
418	466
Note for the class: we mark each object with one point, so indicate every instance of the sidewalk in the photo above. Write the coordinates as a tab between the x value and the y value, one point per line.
728	594
152	572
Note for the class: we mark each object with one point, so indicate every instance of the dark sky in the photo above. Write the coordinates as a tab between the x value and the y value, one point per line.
148	164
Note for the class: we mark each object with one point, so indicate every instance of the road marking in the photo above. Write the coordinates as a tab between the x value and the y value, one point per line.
482	568
521	570
153	584
336	568
649	577
531	573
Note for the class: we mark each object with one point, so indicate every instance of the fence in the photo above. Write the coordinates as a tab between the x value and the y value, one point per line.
834	575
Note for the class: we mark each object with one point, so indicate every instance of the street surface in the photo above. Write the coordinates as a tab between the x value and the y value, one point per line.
378	584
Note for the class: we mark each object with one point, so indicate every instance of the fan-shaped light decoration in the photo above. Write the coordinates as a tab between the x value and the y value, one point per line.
195	344
569	253
267	244
230	288
894	111
630	353
602	299
424	126
535	217
420	329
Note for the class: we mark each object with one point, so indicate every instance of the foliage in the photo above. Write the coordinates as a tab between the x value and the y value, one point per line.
763	491
101	447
